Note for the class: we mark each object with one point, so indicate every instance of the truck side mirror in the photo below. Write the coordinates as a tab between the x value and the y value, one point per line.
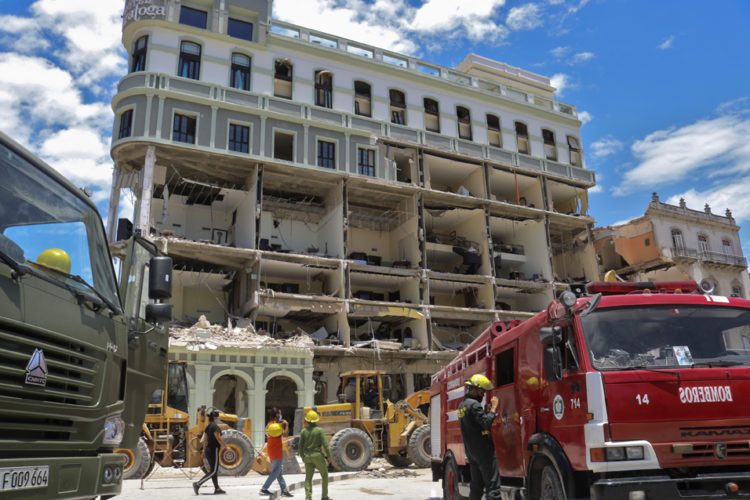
552	364
160	278
550	335
158	313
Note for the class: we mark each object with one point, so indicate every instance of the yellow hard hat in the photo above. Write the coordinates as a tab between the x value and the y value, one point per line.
480	382
312	416
56	259
274	429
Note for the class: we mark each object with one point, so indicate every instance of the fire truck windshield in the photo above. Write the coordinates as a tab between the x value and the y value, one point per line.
654	337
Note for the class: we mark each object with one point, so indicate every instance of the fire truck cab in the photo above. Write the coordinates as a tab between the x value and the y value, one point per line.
636	391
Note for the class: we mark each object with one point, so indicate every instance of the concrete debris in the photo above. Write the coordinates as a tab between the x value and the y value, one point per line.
387	472
205	335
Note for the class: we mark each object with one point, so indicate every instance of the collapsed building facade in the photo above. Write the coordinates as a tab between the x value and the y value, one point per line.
674	242
308	185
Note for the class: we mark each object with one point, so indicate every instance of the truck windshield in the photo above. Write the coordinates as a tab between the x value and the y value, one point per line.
657	337
48	231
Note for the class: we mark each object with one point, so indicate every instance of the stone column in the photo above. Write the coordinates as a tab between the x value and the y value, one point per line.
308	391
203	393
114	205
258	410
144	192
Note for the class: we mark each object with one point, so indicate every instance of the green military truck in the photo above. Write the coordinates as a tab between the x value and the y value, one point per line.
79	356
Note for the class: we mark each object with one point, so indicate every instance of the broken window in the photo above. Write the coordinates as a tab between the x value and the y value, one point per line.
126	124
464	122
282	79
398	107
522	138
550	148
494	136
190	60
283	145
326	154
240	78
184	129
240	29
139	55
239	138
362	98
677	241
193	17
324	88
431	115
575	151
366	162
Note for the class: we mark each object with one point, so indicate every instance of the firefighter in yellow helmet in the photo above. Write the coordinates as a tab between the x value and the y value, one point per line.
275	451
475	425
314	450
54	258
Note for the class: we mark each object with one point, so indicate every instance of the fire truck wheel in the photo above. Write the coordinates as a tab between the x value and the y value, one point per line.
450	481
351	450
550	487
397	460
237	458
419	448
137	461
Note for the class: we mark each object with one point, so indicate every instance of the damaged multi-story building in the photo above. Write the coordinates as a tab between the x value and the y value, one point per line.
674	242
383	207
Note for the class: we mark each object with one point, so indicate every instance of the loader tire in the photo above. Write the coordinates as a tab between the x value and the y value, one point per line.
237	458
419	447
398	460
351	450
137	461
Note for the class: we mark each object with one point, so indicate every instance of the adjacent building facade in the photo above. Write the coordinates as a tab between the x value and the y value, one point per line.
674	242
306	184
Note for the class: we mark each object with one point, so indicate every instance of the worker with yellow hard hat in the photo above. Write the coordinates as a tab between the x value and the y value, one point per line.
275	451
314	450
475	425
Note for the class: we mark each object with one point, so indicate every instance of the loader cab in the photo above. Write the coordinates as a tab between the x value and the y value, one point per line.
171	401
354	389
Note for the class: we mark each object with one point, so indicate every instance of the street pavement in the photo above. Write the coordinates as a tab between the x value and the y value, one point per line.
378	483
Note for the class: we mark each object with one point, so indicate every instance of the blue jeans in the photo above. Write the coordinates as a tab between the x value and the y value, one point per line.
276	473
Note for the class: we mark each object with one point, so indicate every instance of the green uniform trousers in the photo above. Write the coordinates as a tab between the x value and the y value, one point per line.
312	462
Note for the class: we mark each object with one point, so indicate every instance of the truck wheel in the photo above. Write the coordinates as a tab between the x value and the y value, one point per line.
419	448
237	458
137	461
397	460
351	450
550	486
450	481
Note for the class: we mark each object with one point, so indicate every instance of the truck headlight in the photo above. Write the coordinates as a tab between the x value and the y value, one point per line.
114	430
616	453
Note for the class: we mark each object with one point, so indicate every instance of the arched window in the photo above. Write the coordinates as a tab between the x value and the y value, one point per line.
677	241
282	78
550	148
362	98
522	138
190	60
574	149
324	88
240	78
138	62
398	107
703	245
431	115
494	136
464	122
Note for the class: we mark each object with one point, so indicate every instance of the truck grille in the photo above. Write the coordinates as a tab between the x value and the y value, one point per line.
732	440
71	366
35	429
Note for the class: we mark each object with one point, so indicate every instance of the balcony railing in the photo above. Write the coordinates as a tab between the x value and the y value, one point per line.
708	256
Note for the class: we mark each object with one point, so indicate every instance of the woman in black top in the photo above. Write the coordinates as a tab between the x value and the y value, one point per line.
214	444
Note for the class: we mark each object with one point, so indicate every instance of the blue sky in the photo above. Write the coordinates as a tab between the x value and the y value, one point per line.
662	86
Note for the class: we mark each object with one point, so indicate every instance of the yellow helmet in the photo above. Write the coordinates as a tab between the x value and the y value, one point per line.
274	429
480	382
56	259
312	416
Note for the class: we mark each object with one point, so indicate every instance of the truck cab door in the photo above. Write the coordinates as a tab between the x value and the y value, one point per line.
506	430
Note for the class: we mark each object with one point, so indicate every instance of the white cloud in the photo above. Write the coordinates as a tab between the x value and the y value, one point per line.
667	44
559	52
585	117
730	196
582	57
525	17
605	146
560	81
705	150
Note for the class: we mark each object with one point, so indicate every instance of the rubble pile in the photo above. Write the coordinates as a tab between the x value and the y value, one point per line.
205	335
386	473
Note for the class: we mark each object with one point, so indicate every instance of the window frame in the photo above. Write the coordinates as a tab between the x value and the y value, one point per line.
397	109
120	129
678	239
191	62
464	123
248	144
139	55
277	130
188	116
370	167
187	8
235	68
494	131
279	77
574	150
434	113
230	20
522	137
323	90
550	146
319	159
362	97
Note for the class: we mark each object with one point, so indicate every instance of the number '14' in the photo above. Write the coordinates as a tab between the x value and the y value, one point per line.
642	399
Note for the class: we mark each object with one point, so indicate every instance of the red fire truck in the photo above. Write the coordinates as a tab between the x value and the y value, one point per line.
635	391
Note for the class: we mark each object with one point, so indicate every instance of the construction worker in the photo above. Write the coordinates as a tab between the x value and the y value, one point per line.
475	430
213	444
274	430
314	450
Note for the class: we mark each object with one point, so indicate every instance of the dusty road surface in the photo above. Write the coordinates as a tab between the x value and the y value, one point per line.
377	483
